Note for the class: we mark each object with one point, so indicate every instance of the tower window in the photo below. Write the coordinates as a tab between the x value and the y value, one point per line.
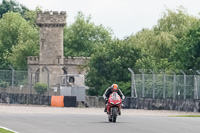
58	57
71	79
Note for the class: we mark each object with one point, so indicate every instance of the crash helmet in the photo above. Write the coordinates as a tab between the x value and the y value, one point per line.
114	87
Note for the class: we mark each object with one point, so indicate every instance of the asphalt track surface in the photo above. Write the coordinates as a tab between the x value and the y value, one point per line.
97	123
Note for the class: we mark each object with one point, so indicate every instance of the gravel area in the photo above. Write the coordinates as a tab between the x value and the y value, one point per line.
35	109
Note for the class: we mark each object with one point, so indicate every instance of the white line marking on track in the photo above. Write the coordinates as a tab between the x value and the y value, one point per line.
8	129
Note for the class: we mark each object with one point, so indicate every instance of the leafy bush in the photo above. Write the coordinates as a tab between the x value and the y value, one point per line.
40	88
4	85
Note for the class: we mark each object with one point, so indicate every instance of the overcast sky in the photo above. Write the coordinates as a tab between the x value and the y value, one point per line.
124	17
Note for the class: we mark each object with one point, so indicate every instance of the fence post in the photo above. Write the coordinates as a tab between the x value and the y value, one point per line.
195	87
184	87
13	72
143	85
132	83
195	83
153	84
47	78
164	78
174	90
31	78
197	92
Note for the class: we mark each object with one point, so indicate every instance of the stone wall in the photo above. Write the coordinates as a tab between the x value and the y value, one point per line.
33	60
76	65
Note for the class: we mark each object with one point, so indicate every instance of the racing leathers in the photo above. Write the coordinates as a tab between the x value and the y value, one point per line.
109	91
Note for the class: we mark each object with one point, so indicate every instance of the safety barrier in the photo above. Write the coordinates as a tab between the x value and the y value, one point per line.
188	105
56	101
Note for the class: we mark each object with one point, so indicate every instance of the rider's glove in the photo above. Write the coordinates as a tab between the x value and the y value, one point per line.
123	97
106	100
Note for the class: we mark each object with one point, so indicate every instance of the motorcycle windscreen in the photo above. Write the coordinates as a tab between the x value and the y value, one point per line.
115	96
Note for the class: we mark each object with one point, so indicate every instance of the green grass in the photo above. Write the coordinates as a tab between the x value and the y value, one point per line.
5	131
186	116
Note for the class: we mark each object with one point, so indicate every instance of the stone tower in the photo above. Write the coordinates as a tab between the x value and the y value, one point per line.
48	67
51	37
51	59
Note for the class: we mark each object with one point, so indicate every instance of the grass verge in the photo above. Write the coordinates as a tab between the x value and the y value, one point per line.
186	116
5	131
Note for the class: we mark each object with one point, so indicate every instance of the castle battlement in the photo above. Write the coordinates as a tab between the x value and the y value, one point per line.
76	60
51	18
33	60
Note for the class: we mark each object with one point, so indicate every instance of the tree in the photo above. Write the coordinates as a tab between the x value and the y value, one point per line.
13	6
186	54
176	22
109	64
156	48
159	43
18	40
31	16
82	36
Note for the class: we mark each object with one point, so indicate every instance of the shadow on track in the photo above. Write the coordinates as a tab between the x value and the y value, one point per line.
108	122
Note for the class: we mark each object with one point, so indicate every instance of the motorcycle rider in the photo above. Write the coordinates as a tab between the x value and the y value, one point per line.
109	90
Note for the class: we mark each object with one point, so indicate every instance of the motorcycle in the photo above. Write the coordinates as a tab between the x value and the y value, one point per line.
113	106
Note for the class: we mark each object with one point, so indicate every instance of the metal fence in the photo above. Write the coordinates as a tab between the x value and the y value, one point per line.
11	79
145	85
167	86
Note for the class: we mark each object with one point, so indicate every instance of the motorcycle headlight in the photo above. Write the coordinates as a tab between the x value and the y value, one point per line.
111	102
117	102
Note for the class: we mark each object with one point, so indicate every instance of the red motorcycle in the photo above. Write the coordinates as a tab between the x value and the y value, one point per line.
113	107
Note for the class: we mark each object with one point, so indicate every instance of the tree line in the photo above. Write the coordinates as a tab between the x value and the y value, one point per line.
171	44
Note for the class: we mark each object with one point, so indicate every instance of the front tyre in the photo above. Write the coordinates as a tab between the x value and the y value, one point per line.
114	114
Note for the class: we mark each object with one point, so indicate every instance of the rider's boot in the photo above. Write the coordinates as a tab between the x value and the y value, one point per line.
120	112
105	110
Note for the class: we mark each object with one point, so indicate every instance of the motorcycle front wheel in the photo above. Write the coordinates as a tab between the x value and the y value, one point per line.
114	114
